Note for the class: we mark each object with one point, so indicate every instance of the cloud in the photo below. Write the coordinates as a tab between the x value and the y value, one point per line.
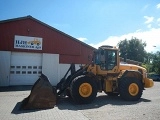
149	25
151	37
144	8
158	6
138	30
158	20
82	39
148	19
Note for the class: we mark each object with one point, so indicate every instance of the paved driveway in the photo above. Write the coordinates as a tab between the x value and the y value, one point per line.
104	107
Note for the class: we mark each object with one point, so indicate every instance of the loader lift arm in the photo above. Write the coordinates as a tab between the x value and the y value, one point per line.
66	81
63	84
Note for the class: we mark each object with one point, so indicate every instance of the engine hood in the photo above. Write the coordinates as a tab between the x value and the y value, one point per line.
131	67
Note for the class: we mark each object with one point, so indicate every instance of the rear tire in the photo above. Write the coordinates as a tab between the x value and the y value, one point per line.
130	89
83	89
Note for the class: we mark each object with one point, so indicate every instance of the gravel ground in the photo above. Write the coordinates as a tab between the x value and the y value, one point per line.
103	108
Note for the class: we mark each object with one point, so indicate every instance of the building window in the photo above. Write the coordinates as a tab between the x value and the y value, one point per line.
29	67
23	67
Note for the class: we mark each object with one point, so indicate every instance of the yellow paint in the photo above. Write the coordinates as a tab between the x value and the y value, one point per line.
130	67
108	86
35	41
148	83
133	89
85	90
92	68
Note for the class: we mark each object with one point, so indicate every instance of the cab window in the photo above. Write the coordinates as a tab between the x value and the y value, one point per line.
112	60
107	59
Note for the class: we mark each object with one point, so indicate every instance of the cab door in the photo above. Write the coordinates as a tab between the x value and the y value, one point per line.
108	62
111	59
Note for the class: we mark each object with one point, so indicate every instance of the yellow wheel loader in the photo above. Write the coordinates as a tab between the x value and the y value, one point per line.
107	74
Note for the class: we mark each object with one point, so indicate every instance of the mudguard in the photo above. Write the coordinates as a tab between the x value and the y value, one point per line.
132	73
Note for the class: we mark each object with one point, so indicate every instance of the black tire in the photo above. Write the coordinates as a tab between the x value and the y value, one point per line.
83	89
68	93
130	89
112	94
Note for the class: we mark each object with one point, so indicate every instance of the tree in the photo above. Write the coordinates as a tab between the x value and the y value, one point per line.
149	57
132	49
156	62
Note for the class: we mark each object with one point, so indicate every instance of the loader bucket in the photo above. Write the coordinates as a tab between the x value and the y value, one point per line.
43	95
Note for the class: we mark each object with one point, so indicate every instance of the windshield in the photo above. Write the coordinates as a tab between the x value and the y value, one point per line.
107	59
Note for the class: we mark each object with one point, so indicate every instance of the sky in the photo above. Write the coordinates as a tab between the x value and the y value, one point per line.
94	22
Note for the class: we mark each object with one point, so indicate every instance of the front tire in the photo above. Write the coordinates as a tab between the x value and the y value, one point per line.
83	89
130	89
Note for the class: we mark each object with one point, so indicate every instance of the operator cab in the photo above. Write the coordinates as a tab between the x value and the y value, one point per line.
106	57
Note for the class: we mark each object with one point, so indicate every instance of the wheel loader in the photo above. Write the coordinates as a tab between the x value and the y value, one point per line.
105	73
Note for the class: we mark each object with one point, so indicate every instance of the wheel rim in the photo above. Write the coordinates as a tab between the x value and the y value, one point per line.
133	89
85	89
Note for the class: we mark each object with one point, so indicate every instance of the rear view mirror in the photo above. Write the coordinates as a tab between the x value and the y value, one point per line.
90	57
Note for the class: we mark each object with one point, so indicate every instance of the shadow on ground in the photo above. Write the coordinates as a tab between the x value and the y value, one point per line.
67	103
16	88
18	109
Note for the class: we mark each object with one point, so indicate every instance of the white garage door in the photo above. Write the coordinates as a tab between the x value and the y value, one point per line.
25	68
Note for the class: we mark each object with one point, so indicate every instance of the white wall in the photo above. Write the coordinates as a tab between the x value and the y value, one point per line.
63	68
26	68
50	67
4	67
